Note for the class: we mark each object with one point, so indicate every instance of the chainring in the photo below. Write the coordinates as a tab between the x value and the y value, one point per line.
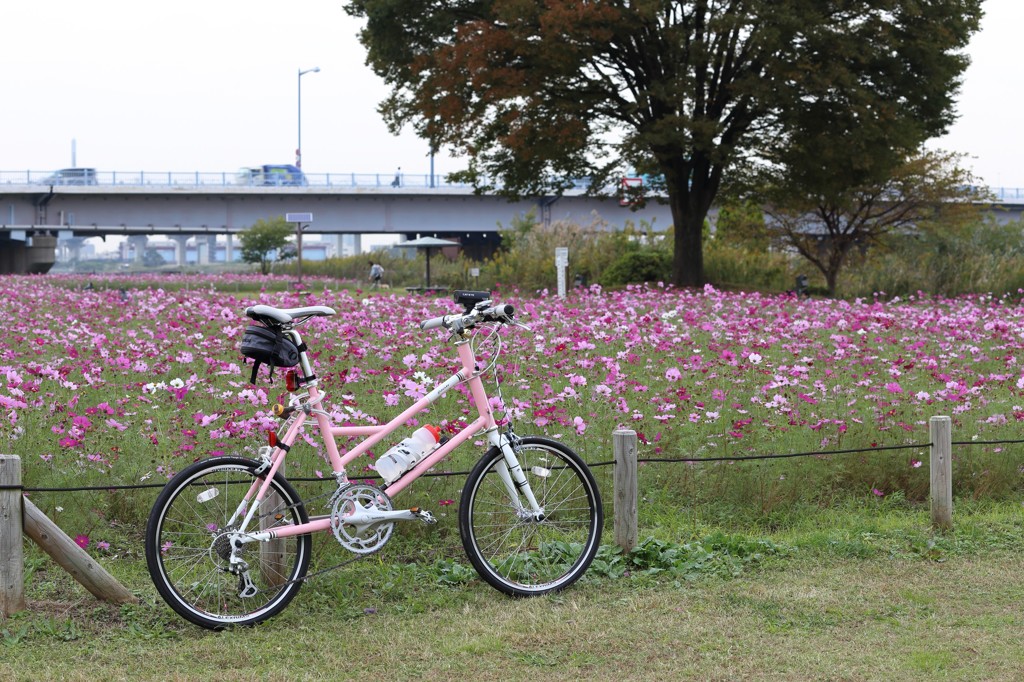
360	540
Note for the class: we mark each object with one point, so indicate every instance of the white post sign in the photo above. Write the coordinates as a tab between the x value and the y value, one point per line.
298	219
561	263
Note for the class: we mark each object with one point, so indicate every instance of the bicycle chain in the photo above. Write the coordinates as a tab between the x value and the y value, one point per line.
316	574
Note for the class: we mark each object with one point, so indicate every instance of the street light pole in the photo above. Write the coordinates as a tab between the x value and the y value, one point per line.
298	146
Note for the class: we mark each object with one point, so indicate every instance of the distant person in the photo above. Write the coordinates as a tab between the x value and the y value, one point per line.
397	182
376	274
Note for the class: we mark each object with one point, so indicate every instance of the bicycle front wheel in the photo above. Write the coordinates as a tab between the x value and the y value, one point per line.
515	550
188	547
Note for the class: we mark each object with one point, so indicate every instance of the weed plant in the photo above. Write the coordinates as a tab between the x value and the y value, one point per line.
976	258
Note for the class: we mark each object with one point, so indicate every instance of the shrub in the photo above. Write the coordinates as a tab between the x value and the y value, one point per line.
981	258
735	266
637	267
526	258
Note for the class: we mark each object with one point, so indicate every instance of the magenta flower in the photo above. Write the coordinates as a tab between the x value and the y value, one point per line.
82	541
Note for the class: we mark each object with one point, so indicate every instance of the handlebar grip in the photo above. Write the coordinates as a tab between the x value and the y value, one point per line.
499	312
433	323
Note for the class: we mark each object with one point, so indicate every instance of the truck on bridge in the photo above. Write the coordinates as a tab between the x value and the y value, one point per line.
280	175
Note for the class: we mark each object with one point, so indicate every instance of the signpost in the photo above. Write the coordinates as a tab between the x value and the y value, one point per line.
561	263
299	219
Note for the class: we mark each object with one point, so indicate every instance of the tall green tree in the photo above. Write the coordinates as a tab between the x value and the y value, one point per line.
539	94
265	239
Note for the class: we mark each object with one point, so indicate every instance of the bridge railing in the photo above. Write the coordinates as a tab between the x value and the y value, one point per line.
222	179
1009	193
83	176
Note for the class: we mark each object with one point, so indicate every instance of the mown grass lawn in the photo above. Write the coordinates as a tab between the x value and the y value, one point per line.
859	593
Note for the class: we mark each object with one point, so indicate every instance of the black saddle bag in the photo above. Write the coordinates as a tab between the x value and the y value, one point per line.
265	346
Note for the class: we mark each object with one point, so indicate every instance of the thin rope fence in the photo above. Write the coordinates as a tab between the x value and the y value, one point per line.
746	458
643	460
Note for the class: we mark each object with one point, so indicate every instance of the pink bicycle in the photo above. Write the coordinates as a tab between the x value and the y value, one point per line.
228	541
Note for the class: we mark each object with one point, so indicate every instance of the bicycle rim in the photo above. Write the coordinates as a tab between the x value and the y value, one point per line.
188	564
510	549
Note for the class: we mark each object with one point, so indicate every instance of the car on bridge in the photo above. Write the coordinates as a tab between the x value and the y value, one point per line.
71	176
272	175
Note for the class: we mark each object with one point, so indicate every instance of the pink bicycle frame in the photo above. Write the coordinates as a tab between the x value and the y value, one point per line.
484	423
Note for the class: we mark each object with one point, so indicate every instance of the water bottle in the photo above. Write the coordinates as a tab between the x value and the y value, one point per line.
408	453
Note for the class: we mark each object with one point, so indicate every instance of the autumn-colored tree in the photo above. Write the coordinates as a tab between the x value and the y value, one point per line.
929	191
539	94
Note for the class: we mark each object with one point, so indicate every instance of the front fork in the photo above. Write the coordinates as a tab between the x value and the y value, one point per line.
511	473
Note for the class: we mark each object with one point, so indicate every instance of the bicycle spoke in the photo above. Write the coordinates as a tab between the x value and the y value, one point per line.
187	547
517	550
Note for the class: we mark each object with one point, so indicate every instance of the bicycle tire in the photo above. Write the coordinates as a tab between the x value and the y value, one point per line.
515	553
187	564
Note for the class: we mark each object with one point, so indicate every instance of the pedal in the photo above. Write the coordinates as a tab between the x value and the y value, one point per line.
423	515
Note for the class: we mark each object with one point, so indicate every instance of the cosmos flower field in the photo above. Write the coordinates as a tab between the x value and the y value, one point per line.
126	381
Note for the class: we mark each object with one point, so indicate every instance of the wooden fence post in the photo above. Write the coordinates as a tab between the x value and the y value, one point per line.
73	558
941	433
12	562
273	563
624	442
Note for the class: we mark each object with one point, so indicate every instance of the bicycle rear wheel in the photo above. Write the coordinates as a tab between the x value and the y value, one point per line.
187	549
513	550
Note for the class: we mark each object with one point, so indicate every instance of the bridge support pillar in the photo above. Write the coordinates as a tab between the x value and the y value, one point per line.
72	248
229	248
203	249
138	243
181	256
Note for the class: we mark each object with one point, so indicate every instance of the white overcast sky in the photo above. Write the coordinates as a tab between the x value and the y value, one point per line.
212	86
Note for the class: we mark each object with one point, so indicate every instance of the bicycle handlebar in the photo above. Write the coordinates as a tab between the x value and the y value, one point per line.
434	323
456	323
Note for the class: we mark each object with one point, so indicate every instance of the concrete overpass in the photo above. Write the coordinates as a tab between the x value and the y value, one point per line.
201	206
36	210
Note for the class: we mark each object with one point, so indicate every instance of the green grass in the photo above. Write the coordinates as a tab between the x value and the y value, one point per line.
786	569
860	591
